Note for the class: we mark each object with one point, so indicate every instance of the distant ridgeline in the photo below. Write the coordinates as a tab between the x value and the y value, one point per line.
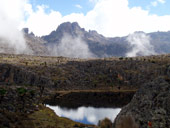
70	40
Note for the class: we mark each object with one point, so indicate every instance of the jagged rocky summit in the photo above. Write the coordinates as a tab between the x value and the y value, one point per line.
97	44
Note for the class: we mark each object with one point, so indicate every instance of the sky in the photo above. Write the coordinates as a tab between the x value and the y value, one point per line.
108	17
65	7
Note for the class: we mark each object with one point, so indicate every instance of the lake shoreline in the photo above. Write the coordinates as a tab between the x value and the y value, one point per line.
95	98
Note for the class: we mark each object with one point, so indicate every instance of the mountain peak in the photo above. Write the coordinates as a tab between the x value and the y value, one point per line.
72	29
69	27
25	30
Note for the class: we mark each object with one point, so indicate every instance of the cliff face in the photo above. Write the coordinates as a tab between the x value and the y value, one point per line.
36	45
151	103
70	74
14	75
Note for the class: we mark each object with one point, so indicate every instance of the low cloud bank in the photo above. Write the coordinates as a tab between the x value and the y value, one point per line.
73	47
141	46
11	38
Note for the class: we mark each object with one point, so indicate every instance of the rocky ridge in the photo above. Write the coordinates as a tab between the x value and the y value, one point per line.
102	46
150	104
98	45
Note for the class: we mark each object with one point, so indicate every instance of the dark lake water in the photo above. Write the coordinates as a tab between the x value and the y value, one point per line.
86	115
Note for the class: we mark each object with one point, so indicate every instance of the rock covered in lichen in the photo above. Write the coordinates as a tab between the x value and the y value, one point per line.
150	104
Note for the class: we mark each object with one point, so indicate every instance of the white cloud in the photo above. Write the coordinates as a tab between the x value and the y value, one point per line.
94	1
162	1
93	115
40	22
141	45
78	6
108	17
71	47
154	3
11	15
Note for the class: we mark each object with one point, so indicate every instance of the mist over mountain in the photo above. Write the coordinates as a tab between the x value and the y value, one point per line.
98	45
136	44
70	40
36	44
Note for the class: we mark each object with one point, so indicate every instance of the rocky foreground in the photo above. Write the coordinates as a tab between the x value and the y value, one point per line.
26	82
151	104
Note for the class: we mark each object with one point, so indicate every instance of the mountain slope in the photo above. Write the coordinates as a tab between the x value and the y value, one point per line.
70	40
160	41
36	44
102	46
99	45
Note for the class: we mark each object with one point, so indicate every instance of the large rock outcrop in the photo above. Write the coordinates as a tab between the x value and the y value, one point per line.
150	104
10	74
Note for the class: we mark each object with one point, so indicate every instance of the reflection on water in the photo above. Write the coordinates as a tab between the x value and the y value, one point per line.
87	115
